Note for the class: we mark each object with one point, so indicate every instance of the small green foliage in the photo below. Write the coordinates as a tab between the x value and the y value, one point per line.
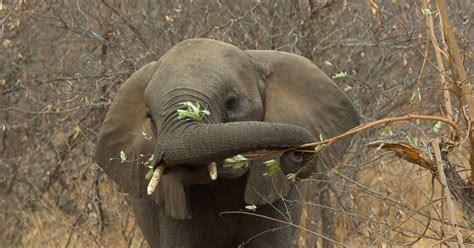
320	146
149	165
426	12
251	207
291	177
272	167
340	74
436	126
235	162
327	62
347	88
386	131
146	136
192	111
416	94
123	157
412	139
149	162
149	174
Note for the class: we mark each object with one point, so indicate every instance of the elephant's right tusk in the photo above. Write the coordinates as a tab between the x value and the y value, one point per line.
212	167
155	179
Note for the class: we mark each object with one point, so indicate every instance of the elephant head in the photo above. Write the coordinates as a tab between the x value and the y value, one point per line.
239	89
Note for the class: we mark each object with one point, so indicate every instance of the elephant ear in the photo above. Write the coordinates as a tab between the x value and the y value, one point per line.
299	93
126	141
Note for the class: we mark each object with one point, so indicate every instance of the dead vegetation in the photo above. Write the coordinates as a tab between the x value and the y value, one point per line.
62	62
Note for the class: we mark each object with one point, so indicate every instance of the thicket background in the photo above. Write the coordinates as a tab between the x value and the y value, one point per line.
61	63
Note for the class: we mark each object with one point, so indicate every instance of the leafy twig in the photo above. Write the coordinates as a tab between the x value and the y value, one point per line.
236	162
360	128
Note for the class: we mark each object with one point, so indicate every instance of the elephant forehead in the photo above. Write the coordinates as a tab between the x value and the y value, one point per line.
204	48
205	54
199	80
194	75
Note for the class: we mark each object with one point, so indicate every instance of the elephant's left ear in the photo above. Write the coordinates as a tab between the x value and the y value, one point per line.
126	140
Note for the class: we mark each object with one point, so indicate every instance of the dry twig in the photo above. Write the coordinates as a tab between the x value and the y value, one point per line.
442	178
464	84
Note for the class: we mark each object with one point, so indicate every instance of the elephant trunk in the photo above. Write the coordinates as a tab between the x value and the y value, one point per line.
197	143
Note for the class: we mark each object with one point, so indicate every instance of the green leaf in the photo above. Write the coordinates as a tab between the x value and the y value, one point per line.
146	136
319	147
185	114
426	12
251	207
192	111
340	74
386	131
206	112
149	174
347	88
123	156
272	166
291	177
149	162
235	162
326	62
436	126
412	139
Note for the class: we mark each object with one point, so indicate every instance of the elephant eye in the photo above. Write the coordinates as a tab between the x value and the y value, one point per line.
231	103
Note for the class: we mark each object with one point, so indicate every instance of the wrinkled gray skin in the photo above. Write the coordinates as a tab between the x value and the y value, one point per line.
259	100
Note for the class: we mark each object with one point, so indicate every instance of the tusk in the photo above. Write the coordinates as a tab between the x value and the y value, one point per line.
212	167
155	179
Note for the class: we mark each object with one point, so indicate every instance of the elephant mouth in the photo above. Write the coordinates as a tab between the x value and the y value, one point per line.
206	173
226	171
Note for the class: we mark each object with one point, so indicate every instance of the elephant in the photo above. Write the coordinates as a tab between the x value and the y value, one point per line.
257	101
